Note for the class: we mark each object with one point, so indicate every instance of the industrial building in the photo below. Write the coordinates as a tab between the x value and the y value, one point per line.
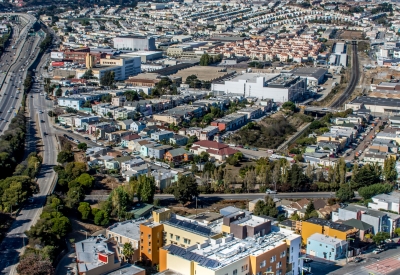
315	76
389	106
279	87
135	43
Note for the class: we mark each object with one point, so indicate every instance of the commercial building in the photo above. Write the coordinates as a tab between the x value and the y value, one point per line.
279	87
389	106
315	76
96	255
145	56
134	43
325	247
123	67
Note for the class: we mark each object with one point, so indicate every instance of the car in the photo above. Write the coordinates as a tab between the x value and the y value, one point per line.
9	111
30	200
269	191
87	138
69	131
42	121
44	133
358	259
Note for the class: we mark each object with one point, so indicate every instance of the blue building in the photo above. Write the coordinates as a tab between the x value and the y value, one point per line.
137	126
179	140
326	247
162	135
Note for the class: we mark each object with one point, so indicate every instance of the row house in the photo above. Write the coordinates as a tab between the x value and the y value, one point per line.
230	122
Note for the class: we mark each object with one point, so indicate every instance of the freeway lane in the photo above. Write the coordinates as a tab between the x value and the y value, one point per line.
14	241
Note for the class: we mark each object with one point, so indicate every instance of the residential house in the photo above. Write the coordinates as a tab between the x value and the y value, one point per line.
325	247
208	132
178	155
327	228
230	122
135	171
218	151
162	135
130	163
126	139
378	219
125	124
178	140
389	202
137	126
164	177
158	152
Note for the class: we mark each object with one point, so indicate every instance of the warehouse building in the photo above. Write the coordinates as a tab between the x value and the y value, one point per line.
135	43
315	76
389	106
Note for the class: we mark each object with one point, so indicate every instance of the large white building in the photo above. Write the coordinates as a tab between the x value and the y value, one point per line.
279	87
122	66
135	43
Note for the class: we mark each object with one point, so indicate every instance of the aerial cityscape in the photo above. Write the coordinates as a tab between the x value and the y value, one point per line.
199	137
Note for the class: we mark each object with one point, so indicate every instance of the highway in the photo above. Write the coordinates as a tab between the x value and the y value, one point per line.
15	239
355	76
15	63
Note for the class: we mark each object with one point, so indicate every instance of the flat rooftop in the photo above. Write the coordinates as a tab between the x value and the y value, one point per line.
215	254
333	225
326	239
250	77
376	101
129	229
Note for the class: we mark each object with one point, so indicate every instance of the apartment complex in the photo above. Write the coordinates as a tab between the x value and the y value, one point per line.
276	252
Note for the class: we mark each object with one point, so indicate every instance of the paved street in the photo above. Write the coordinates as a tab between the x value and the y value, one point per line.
15	239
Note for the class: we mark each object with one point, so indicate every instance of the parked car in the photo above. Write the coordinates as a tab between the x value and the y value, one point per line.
358	259
269	191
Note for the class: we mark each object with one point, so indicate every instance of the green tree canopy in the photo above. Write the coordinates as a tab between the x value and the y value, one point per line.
84	209
185	189
368	192
82	146
85	180
380	237
108	79
289	106
65	156
345	193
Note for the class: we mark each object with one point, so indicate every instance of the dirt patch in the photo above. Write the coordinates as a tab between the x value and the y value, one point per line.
80	228
351	35
103	185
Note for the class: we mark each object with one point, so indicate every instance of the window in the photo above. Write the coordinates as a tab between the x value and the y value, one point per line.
149	250
244	268
171	235
263	263
269	269
273	258
283	254
320	244
333	250
235	272
149	236
177	237
278	264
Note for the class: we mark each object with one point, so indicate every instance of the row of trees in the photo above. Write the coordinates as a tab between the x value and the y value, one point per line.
46	43
206	59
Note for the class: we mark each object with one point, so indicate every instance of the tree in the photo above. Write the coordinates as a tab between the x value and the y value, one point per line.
74	196
345	193
65	156
368	192
289	106
35	264
82	146
366	175
205	60
101	218
131	95
85	180
380	237
389	170
84	209
310	208
59	92
108	78
185	189
128	251
88	74
147	188
397	231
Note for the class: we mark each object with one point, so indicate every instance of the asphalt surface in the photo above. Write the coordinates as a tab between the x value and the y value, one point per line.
15	239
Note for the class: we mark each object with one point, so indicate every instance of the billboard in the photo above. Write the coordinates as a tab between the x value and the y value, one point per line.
57	55
57	64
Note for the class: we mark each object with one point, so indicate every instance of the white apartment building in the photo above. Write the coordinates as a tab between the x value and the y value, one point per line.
386	202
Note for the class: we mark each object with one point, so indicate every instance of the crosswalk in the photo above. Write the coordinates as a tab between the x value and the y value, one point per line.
379	267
